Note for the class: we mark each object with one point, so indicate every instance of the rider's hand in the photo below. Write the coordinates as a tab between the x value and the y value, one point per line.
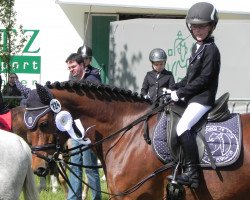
169	91
166	91
174	96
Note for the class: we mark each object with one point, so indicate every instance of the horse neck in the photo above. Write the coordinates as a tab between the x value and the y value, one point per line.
106	114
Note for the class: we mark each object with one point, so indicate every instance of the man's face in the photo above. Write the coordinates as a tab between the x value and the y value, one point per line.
12	79
75	69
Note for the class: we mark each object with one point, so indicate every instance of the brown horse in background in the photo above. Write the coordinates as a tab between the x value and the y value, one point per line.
17	124
126	158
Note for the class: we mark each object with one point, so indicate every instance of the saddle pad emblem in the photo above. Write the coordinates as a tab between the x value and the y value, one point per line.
224	140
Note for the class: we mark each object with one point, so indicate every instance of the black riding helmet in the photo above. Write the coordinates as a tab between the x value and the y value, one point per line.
85	51
202	13
157	55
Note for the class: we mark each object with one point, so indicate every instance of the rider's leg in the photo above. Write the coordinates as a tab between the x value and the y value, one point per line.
190	175
190	117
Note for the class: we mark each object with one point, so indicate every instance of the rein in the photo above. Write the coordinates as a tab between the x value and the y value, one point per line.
126	128
63	173
64	163
58	147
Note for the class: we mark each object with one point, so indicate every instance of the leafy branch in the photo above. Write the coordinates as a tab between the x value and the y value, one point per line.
11	40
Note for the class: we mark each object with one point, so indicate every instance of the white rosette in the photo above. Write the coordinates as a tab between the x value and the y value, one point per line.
64	122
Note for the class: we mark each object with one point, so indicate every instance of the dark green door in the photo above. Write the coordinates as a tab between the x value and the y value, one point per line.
100	43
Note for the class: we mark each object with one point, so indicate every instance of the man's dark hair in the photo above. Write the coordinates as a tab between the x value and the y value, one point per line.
75	57
11	74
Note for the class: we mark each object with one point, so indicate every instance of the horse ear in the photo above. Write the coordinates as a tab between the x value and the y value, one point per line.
44	94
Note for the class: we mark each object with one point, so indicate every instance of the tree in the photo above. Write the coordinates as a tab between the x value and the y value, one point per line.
11	39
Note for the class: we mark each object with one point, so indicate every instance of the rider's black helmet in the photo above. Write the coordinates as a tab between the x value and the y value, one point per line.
157	55
202	13
85	51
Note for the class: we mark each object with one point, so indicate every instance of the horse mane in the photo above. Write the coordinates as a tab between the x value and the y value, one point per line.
113	92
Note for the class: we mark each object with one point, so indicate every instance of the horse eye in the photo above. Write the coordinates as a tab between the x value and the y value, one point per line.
43	126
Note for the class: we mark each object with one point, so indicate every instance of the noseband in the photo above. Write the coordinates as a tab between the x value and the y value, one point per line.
50	146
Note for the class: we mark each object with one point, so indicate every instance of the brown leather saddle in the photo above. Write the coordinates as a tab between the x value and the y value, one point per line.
218	113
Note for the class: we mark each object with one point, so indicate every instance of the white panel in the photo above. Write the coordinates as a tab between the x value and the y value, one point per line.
59	34
132	40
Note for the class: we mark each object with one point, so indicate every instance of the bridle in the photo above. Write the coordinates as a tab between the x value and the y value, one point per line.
59	149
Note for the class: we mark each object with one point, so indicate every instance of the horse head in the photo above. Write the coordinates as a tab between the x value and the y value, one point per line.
42	136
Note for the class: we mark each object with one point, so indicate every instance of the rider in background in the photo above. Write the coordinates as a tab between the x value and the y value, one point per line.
158	78
198	87
80	70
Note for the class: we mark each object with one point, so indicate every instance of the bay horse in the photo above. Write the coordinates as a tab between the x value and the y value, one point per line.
120	145
18	127
15	167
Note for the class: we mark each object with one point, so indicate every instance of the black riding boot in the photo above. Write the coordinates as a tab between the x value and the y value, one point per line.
190	175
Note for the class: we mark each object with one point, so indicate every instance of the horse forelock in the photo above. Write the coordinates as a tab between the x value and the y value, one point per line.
103	90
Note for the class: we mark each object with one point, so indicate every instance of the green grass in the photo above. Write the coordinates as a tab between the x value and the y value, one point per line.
47	194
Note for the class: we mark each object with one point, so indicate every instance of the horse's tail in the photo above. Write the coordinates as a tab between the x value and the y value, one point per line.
30	191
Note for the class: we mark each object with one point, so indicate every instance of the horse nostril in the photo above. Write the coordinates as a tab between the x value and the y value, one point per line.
41	171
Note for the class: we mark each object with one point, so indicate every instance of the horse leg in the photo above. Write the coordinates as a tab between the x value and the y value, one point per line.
54	183
103	178
85	188
42	184
64	185
57	178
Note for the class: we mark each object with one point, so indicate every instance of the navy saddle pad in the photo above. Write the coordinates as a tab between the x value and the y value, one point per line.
224	140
